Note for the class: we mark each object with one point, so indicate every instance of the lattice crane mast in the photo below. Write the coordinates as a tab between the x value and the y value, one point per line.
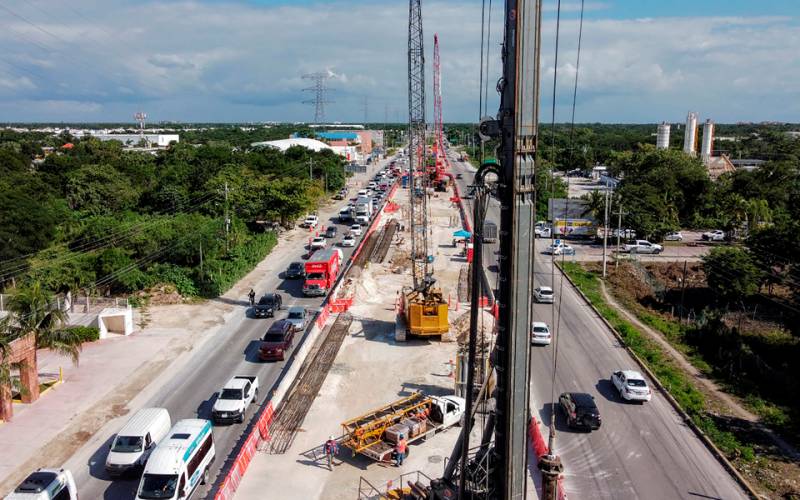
425	309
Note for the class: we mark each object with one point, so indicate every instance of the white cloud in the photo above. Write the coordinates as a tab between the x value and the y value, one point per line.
229	60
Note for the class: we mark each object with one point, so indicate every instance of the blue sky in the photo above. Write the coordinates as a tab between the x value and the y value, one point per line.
242	60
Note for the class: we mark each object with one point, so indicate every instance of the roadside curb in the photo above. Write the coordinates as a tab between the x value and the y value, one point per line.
685	416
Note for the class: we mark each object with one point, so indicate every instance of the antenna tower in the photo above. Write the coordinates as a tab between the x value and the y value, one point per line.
320	90
140	117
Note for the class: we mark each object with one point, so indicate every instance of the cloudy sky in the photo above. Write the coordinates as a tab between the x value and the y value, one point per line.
240	60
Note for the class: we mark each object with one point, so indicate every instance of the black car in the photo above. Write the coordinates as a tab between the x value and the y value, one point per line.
267	305
330	232
580	410
295	270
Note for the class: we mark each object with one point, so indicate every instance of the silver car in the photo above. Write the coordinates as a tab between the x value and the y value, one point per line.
543	294
298	317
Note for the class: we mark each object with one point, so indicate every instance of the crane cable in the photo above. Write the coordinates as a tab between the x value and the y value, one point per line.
556	312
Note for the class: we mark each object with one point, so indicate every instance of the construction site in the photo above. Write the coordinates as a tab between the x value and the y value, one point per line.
360	367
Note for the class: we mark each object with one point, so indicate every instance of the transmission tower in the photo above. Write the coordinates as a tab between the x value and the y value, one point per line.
320	89
140	118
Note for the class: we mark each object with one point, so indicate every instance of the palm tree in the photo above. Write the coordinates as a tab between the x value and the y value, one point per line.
32	311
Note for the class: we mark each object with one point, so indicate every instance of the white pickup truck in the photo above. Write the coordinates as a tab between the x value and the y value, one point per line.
643	246
311	221
233	399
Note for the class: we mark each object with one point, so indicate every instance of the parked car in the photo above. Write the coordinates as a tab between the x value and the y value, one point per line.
542	232
631	385
295	270
673	236
311	221
355	229
715	235
540	333
559	249
543	294
236	395
278	339
580	410
330	232
643	246
348	241
46	484
131	447
298	316
362	192
267	305
318	243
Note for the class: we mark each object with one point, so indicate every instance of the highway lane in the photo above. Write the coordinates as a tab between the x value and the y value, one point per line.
191	391
641	451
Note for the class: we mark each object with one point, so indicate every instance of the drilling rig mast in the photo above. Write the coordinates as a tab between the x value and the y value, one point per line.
440	181
425	309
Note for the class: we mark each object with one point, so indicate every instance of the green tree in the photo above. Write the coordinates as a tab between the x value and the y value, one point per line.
731	273
100	189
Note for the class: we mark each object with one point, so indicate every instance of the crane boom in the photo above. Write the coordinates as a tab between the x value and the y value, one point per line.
416	147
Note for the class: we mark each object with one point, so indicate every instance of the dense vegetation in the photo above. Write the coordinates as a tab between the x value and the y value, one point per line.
103	219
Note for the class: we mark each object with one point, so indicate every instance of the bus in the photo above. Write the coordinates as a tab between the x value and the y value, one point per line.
180	462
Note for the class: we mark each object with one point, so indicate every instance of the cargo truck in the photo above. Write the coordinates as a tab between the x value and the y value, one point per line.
321	272
375	434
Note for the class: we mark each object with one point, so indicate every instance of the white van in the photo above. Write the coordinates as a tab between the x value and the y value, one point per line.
180	462
46	484
132	445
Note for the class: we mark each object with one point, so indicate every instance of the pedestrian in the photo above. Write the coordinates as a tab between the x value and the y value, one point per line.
400	451
252	296
331	449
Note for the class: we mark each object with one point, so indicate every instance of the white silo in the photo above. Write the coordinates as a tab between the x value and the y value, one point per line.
690	134
708	140
662	139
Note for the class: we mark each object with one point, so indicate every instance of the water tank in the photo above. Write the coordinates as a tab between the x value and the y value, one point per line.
662	139
708	140
690	135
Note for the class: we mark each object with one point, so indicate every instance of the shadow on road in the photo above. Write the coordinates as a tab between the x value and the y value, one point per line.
607	389
204	410
97	461
251	352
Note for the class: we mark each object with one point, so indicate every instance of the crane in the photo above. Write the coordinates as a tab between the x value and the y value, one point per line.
440	165
423	304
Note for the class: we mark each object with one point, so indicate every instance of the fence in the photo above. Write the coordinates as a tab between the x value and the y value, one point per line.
78	303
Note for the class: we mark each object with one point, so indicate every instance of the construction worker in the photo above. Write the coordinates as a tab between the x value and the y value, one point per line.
400	451
331	449
252	296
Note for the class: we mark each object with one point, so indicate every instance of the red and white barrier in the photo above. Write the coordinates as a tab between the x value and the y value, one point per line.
540	448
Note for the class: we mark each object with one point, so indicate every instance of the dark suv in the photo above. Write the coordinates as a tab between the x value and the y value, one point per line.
580	410
276	341
330	232
295	270
267	305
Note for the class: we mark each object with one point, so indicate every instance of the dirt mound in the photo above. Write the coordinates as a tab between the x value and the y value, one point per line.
460	326
162	294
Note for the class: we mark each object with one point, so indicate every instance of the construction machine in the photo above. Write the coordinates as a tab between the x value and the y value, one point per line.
424	307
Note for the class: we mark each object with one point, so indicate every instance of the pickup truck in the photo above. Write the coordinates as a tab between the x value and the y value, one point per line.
311	221
233	399
415	417
643	246
542	232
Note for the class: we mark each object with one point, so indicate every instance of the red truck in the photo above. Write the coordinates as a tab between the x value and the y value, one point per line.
321	272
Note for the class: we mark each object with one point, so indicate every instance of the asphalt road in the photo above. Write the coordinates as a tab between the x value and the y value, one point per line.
192	390
641	451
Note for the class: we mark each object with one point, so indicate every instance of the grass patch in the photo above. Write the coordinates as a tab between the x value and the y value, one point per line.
671	377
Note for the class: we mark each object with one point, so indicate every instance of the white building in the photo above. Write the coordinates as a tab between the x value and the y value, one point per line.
157	140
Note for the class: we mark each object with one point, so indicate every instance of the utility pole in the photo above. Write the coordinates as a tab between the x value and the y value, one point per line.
620	213
201	257
605	232
683	290
227	221
310	166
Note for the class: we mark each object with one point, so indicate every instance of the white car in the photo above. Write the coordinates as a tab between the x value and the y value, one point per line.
46	484
543	294
362	192
540	333
348	241
372	185
319	243
311	221
542	232
631	385
559	249
355	229
715	235
674	236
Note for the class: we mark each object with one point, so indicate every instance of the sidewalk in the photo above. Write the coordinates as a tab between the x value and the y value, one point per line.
113	371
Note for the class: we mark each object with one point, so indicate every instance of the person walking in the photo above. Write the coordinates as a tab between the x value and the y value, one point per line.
252	296
331	449
400	451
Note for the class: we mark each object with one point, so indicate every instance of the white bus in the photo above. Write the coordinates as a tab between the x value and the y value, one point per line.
180	462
